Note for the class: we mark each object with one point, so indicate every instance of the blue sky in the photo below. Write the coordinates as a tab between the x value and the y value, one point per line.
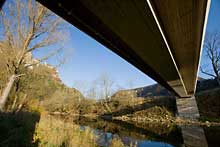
90	59
213	25
214	16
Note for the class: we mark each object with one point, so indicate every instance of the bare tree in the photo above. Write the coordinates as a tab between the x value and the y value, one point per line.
212	52
106	84
92	92
26	26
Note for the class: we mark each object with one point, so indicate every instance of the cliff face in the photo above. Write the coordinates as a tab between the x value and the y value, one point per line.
157	90
152	90
148	91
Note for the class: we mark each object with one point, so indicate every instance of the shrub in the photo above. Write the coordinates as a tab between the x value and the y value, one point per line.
52	132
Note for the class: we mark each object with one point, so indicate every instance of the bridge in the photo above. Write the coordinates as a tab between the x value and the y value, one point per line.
162	38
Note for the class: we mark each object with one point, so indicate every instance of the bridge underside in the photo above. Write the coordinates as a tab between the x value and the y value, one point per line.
161	38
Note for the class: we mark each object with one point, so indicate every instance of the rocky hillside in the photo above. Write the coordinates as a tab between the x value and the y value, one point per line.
147	91
156	90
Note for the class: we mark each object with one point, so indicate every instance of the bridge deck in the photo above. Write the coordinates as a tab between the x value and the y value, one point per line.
161	38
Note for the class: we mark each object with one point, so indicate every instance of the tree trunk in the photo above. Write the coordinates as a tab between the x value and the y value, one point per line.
6	92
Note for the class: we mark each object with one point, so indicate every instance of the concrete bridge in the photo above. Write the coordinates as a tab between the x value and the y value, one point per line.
162	38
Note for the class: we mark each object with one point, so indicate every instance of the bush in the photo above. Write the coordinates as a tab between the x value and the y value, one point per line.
116	143
52	132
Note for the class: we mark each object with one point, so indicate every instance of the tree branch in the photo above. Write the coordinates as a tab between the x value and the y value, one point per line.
204	72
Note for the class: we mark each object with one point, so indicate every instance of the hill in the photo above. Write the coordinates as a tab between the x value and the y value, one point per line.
156	90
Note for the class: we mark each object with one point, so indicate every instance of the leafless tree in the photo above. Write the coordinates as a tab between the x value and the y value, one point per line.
92	91
212	52
26	26
106	84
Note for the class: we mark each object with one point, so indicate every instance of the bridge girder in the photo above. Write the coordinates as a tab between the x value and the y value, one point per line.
161	38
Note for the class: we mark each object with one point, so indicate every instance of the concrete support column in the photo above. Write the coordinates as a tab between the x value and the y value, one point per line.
193	136
187	108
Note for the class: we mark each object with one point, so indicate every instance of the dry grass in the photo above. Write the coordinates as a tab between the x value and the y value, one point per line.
116	143
52	132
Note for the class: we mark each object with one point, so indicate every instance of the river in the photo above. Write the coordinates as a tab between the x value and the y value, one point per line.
151	135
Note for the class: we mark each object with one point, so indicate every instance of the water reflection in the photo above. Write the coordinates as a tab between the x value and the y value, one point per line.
194	136
104	140
153	144
158	135
152	135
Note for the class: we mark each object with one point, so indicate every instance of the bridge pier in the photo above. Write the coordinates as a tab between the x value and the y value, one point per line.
193	136
187	108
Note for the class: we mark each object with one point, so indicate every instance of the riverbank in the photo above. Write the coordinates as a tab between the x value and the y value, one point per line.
158	114
176	121
153	114
163	110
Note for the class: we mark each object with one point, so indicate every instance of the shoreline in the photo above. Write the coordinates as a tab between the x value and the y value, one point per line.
175	120
146	120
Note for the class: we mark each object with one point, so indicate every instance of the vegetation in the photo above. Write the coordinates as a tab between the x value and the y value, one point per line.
54	132
135	108
116	143
209	105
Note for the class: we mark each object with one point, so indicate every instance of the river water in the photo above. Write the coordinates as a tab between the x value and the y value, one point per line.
152	135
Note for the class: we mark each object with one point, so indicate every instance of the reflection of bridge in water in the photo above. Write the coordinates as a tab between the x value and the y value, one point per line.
161	38
194	136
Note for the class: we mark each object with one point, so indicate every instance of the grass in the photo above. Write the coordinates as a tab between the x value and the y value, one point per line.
30	129
116	143
52	132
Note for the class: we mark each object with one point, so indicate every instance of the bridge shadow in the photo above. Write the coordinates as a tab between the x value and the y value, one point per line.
17	129
168	102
